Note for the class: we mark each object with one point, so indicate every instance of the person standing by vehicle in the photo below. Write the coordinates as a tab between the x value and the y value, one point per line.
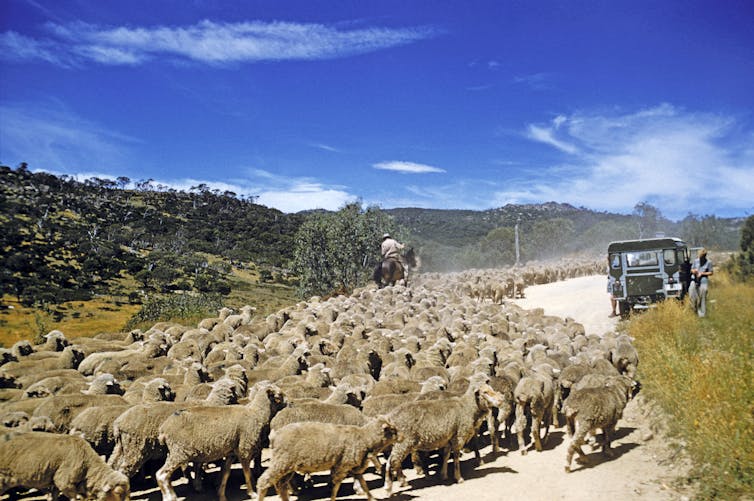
615	263
701	270
684	275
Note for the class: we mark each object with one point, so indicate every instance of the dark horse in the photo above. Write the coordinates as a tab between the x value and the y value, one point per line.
389	271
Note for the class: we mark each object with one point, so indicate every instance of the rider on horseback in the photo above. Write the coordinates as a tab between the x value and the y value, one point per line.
395	265
391	249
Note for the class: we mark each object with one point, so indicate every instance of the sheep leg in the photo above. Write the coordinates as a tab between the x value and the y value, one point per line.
444	464
575	447
245	466
520	425
493	423
196	481
224	475
397	455
457	462
163	479
535	432
607	438
419	464
337	478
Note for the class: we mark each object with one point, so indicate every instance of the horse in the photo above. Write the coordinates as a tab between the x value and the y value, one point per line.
390	270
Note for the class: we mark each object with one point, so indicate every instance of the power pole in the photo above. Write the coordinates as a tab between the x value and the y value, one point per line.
518	255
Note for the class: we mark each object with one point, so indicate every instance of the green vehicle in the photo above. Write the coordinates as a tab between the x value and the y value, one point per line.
643	272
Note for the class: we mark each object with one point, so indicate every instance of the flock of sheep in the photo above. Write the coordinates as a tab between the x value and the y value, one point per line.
344	384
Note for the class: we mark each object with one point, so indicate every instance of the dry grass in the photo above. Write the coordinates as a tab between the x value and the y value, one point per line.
79	318
701	371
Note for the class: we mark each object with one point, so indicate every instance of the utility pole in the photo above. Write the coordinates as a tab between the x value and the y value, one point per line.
518	255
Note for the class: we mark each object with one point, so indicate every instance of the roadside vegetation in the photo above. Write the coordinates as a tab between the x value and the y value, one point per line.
701	373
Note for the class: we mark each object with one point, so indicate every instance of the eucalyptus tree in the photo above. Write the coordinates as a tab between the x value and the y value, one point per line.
337	251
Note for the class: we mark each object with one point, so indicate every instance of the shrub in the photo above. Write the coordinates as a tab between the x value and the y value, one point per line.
175	307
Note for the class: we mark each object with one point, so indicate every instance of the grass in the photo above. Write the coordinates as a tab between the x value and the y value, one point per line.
701	372
74	319
112	314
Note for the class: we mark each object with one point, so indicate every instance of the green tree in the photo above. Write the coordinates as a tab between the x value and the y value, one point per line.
338	251
746	257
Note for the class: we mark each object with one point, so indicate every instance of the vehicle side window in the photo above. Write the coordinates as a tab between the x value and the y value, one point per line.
615	261
668	256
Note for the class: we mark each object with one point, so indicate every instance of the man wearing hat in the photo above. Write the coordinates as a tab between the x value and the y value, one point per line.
391	248
701	270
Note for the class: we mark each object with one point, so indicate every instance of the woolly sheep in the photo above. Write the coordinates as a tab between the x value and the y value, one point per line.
95	425
320	412
136	431
225	432
587	409
58	463
535	393
61	409
438	424
311	447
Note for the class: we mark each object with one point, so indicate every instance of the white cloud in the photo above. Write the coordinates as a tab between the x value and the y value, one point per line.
207	42
677	160
547	136
407	167
17	47
325	147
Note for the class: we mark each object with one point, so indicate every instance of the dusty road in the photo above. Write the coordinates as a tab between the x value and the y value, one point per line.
643	467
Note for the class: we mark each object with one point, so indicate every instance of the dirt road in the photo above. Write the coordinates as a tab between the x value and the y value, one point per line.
643	467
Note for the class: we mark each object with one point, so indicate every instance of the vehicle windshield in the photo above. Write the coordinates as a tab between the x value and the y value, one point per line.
641	258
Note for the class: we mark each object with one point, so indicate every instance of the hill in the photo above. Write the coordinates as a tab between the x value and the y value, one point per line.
130	243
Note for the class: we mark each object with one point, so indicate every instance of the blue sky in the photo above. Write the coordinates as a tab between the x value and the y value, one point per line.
436	104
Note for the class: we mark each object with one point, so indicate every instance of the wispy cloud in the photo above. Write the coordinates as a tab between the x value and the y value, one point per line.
407	167
49	135
15	47
205	42
678	160
536	81
547	135
325	147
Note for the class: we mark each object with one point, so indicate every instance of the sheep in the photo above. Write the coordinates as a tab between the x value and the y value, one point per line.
535	392
104	384
378	405
505	386
61	409
22	348
95	425
624	357
311	447
69	358
433	424
318	411
291	365
589	408
56	385
58	463
395	385
136	431
225	432
154	390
